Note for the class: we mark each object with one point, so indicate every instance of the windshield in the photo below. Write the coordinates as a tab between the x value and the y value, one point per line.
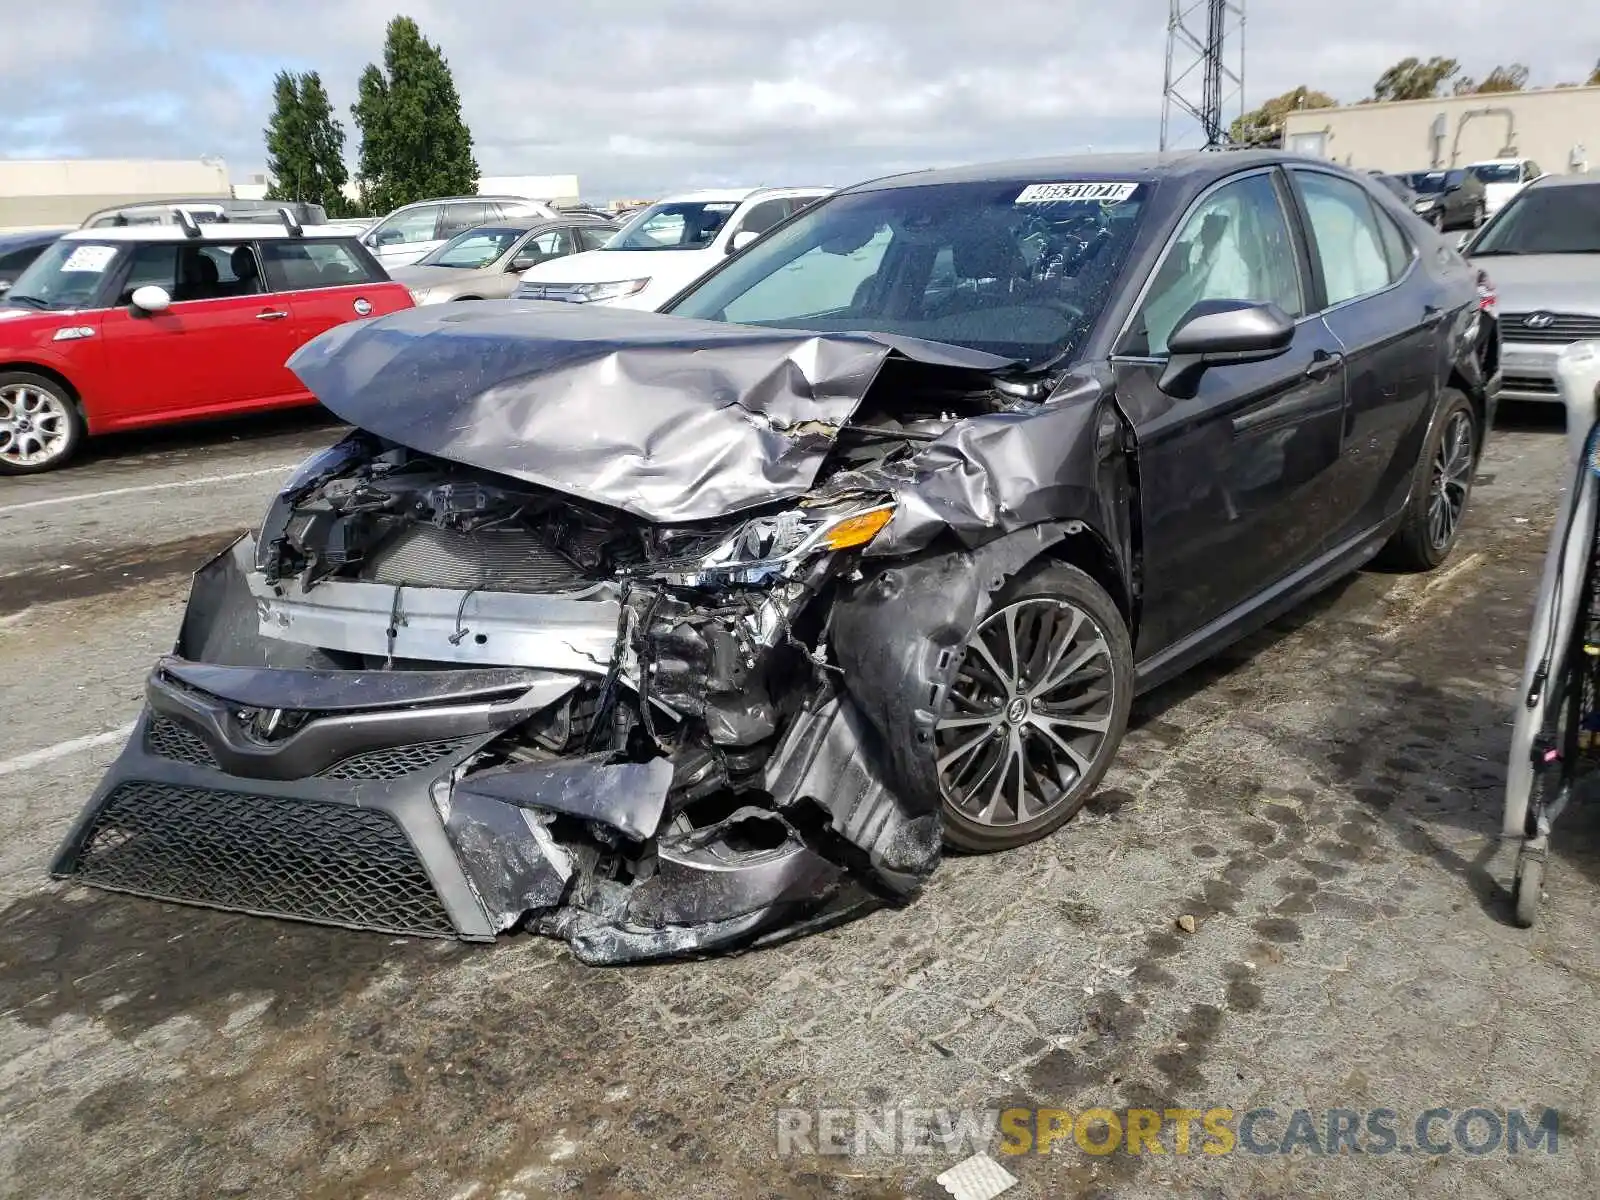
1016	269
67	275
1546	220
675	225
1429	182
473	249
1498	172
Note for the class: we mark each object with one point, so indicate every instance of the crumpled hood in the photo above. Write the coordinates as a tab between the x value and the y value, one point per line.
664	417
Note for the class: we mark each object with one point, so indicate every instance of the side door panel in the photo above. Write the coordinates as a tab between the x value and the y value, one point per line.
205	355
1389	318
1234	482
329	284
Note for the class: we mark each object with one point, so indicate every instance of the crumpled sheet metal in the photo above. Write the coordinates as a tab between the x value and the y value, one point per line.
664	417
999	473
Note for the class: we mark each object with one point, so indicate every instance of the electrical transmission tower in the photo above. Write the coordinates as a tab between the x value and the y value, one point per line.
1200	79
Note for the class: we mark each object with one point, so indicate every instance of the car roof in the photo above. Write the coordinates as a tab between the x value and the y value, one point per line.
12	239
1573	180
469	199
1195	166
221	231
735	195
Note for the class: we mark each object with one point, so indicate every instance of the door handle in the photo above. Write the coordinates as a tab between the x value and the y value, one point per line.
271	316
1324	364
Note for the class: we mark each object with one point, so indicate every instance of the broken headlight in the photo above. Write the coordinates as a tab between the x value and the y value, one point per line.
774	545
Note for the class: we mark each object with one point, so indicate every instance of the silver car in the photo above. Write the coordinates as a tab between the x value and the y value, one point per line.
485	263
1542	250
411	233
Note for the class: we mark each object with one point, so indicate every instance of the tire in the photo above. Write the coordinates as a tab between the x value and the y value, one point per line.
1012	767
40	424
1528	890
1417	545
1480	214
1436	219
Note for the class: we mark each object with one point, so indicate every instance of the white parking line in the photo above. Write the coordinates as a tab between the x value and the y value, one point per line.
37	758
144	487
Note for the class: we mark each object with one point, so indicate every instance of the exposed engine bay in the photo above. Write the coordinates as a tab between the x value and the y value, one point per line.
645	727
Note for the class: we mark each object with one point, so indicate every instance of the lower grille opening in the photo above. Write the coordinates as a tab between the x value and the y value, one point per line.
172	739
1529	383
329	863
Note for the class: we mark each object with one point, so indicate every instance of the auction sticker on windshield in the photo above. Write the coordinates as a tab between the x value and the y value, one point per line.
90	259
1095	192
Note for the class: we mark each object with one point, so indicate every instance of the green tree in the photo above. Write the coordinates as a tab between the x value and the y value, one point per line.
414	144
1264	126
1594	76
1413	79
305	144
1502	79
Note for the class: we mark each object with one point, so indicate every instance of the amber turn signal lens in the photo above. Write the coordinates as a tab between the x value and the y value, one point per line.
857	530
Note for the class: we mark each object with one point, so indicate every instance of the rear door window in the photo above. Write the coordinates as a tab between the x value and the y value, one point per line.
293	265
1348	240
460	217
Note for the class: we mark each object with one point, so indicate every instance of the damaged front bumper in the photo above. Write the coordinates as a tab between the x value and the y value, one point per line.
267	776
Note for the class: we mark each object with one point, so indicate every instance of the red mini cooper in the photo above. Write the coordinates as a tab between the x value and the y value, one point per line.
120	328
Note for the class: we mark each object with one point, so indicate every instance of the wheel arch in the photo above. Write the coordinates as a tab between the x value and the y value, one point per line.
55	376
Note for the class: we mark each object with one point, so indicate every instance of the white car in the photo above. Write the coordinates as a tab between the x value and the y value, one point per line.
412	232
1503	178
665	248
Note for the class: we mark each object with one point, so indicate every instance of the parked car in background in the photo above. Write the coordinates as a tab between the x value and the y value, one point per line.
1449	199
1543	250
1503	178
123	327
485	263
410	234
18	250
665	248
204	210
667	634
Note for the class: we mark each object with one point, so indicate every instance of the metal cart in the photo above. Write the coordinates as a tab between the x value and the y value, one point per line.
1555	740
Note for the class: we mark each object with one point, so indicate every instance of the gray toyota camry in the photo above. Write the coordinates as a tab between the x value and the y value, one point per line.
671	633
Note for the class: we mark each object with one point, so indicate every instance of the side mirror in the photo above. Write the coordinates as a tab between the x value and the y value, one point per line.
151	299
741	239
523	262
1218	332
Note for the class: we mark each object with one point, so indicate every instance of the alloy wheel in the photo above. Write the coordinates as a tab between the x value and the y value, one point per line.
1452	476
35	425
1028	713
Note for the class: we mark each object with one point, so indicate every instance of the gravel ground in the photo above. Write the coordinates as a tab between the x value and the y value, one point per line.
1323	802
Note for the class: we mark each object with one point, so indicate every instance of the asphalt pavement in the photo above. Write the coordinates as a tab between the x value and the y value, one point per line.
1321	804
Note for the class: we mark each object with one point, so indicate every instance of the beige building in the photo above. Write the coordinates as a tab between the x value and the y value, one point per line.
38	193
1558	128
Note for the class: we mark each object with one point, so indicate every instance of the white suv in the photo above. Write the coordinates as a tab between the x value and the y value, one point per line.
414	231
1503	178
665	248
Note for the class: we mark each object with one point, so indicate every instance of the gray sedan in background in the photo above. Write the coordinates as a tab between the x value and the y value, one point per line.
1542	250
485	263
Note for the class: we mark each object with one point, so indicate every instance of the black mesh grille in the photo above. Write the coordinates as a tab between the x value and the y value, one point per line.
173	739
291	858
1560	329
1530	383
499	559
396	762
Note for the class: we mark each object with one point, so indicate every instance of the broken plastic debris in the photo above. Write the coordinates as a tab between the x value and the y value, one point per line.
977	1178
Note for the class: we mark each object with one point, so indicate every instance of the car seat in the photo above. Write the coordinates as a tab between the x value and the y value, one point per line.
246	272
200	278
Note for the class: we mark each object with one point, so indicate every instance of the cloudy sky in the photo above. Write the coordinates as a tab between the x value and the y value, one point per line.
642	96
